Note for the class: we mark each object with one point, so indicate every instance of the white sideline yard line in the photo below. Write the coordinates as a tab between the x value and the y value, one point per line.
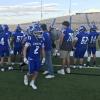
76	66
82	67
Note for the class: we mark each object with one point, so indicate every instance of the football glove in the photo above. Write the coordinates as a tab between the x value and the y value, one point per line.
25	61
43	61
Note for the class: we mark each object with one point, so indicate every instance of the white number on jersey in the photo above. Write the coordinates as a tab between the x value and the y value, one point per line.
84	40
93	39
36	50
29	37
70	37
19	38
2	41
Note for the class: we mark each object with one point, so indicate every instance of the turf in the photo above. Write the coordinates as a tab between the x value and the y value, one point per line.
82	84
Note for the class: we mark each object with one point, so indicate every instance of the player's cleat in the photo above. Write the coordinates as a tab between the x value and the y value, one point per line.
25	80
61	71
33	85
74	66
68	70
88	64
58	54
49	76
10	68
80	67
45	72
2	69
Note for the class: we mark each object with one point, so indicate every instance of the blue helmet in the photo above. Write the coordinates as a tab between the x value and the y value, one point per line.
82	29
18	28
37	31
30	30
6	28
93	28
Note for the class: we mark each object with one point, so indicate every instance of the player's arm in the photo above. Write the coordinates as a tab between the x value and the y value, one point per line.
25	53
61	39
99	40
43	54
75	41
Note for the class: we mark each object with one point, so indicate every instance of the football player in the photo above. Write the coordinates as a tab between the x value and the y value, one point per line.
4	46
48	47
93	35
17	38
80	45
8	34
34	45
66	46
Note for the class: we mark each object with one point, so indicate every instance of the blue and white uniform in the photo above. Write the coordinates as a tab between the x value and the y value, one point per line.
67	40
81	44
34	47
4	45
92	42
18	37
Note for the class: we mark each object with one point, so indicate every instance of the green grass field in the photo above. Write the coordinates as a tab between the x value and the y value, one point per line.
82	84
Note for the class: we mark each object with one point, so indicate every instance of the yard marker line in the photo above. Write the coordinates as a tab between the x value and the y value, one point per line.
82	67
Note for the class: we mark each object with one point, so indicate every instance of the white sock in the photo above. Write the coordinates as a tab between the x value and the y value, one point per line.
89	58
32	81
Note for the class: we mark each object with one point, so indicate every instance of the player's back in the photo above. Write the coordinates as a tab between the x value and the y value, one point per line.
67	40
18	37
92	38
3	40
47	41
82	39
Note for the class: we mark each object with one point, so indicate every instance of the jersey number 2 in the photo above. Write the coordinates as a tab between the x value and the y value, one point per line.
36	50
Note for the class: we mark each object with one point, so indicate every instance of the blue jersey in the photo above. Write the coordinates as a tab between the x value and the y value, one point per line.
18	37
8	34
35	45
67	39
68	34
4	41
82	40
92	39
47	41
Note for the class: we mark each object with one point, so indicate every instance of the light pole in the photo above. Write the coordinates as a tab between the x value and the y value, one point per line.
41	9
70	7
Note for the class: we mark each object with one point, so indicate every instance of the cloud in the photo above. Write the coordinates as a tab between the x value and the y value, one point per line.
28	8
25	12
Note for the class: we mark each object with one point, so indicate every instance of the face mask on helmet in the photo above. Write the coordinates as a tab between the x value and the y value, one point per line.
37	31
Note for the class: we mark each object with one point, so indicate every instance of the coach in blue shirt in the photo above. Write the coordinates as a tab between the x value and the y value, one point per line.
48	49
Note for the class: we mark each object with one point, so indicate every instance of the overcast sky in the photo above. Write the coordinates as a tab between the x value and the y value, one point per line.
22	11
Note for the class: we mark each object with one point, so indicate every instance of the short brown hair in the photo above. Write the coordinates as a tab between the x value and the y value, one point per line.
66	23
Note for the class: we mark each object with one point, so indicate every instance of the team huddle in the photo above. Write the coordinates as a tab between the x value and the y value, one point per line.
35	45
